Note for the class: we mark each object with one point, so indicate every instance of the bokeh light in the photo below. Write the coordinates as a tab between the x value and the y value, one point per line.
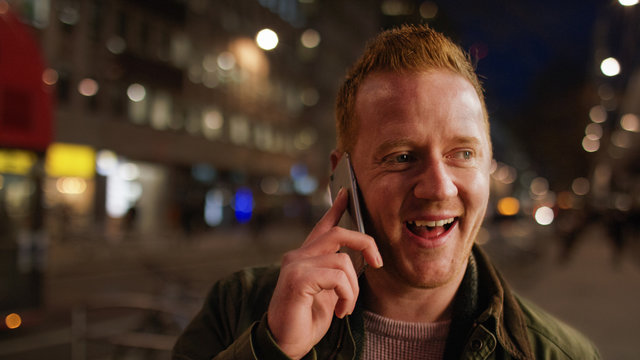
13	321
71	185
226	61
267	39
88	87
428	9
598	114
49	76
580	186
136	92
544	215
610	66
621	139
539	186
565	200
590	145
630	122
508	206
593	131
628	2
310	38
116	45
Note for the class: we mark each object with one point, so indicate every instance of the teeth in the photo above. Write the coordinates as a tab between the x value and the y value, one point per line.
432	223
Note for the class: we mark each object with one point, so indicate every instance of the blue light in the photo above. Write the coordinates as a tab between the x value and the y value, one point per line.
298	171
243	205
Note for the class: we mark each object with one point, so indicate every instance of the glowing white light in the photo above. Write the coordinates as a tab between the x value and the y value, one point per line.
628	2
136	92
71	185
106	162
544	215
610	67
88	87
267	39
129	171
214	207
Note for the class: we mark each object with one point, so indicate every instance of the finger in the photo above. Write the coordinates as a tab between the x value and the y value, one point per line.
337	261
337	281
337	237
331	217
309	276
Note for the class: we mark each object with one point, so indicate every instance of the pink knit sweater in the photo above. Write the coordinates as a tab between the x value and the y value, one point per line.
390	339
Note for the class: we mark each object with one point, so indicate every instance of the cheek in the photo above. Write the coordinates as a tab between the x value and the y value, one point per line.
475	192
382	200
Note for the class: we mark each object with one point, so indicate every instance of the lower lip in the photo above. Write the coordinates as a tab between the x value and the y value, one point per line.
431	242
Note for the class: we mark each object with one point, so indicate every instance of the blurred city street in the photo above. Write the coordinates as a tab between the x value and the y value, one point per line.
587	291
150	148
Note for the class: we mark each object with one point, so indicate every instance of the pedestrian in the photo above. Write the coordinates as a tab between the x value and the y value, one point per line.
411	115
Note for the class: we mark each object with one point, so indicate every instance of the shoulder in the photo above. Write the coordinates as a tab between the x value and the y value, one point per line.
251	285
553	339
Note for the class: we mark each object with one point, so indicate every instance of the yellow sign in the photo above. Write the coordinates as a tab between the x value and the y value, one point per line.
18	162
70	160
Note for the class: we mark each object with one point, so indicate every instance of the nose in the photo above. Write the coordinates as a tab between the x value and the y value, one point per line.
434	182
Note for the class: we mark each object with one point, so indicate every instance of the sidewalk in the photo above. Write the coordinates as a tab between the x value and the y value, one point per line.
590	292
168	273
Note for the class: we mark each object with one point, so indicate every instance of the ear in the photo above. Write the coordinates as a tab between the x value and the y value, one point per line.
335	157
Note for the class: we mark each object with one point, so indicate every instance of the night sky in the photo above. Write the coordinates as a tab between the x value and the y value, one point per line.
535	57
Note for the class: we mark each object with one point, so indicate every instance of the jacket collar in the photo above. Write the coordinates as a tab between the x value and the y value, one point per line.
502	313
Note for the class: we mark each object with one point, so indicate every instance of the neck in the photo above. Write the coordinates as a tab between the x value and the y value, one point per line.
388	296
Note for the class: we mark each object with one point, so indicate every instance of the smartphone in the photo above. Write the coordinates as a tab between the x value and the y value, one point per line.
344	177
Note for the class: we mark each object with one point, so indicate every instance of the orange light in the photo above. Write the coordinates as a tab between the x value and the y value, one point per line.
565	200
508	206
13	321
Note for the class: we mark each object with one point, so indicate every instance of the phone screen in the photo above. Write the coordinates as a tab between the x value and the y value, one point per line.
344	177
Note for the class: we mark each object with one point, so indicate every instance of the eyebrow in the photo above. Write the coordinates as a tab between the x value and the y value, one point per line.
392	144
402	142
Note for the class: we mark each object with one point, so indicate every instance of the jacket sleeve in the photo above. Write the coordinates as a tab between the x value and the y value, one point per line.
232	321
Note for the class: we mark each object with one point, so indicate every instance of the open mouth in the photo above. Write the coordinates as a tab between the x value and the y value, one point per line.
431	229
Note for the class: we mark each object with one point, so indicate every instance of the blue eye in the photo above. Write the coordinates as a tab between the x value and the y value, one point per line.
463	155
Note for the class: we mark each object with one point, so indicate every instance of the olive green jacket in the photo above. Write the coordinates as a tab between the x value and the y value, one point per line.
490	322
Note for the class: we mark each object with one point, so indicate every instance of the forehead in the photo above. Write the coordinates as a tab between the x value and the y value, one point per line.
388	102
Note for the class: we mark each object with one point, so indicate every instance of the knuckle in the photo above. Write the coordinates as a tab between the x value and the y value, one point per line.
335	231
289	257
344	258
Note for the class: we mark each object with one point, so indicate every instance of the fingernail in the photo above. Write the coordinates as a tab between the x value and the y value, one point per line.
379	263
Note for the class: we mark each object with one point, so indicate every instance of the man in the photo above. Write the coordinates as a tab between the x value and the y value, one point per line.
412	117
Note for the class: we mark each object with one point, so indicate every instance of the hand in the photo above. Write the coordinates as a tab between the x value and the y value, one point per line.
316	281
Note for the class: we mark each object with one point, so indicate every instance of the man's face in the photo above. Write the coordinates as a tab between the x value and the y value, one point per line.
422	159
